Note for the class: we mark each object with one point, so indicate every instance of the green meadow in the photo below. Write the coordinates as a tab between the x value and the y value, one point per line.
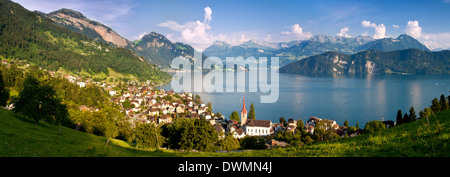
20	137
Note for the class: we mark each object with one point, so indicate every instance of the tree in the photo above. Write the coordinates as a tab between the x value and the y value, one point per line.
399	117
4	93
149	136
199	135
234	116
346	123
229	143
38	101
443	103
405	118
357	125
251	113
252	142
412	114
300	125
374	126
435	106
282	120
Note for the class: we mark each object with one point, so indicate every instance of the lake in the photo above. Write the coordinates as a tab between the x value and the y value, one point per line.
337	98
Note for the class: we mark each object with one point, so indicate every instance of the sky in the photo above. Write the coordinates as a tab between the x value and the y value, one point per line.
201	22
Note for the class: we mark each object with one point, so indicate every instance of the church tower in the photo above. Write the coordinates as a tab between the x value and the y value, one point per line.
243	114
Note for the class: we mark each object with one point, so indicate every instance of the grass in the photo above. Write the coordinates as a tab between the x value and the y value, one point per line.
20	137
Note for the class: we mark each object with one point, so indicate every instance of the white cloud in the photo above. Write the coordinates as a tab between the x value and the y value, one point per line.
297	31
380	30
243	39
208	13
196	33
140	36
438	40
413	29
343	32
395	26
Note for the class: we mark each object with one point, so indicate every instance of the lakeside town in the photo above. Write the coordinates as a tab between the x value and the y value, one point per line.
146	104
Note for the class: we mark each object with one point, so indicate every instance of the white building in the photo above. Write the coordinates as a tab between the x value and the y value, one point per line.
257	127
81	84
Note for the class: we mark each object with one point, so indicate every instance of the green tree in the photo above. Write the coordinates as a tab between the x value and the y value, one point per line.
443	103
4	92
282	120
229	143
374	126
253	142
199	135
38	102
346	123
300	125
435	106
251	113
234	116
399	117
357	125
149	136
412	114
406	118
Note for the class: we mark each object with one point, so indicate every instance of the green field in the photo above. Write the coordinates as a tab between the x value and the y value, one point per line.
20	137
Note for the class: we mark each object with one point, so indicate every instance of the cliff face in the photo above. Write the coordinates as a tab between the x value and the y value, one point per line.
77	22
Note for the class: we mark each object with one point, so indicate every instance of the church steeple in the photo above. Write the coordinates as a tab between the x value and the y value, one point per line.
243	114
243	107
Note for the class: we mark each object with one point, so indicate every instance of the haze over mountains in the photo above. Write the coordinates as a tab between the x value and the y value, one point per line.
296	50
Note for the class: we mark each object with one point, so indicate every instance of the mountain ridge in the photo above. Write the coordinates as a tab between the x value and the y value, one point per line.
408	61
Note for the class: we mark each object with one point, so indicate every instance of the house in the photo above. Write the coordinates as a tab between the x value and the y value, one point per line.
220	130
81	84
237	133
153	112
180	109
164	119
112	92
257	127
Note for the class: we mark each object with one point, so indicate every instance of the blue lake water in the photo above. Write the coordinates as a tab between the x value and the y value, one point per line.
337	98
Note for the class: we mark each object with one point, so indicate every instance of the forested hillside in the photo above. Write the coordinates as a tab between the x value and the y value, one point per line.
28	36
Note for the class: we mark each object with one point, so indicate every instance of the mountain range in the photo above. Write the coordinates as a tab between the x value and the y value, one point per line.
297	50
67	39
408	61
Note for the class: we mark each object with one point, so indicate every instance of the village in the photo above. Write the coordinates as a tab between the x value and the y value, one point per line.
146	104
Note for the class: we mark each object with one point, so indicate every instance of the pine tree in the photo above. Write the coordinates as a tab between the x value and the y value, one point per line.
4	93
357	125
251	114
399	117
443	103
412	114
346	123
406	118
435	106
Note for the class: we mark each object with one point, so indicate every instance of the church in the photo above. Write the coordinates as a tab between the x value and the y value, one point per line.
254	127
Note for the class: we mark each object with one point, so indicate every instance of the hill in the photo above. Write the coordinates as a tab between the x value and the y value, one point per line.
415	139
410	61
20	137
26	35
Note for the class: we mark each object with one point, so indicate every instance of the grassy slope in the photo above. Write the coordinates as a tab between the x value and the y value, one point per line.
20	137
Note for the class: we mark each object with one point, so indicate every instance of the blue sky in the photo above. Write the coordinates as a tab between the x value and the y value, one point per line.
201	22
